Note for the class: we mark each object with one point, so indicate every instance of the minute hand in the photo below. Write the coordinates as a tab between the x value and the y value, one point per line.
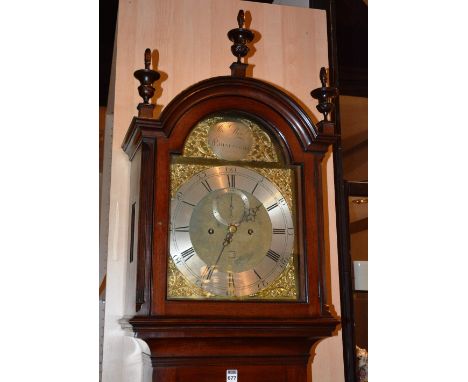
226	242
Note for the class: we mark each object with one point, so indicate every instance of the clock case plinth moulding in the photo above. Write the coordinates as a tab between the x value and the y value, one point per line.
200	339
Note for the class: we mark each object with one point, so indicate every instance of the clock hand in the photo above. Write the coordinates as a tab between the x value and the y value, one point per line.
249	214
226	242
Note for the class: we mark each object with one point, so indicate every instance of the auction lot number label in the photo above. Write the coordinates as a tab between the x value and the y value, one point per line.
231	376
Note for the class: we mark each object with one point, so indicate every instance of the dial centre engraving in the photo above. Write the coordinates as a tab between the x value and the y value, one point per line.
230	140
240	250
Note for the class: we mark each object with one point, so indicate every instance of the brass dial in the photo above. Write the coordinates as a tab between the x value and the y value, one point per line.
232	232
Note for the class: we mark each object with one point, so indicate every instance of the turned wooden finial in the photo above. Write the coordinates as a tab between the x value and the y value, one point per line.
325	96
240	37
147	58
146	90
323	77
241	18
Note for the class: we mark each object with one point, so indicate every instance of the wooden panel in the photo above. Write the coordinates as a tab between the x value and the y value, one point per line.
268	359
246	373
198	48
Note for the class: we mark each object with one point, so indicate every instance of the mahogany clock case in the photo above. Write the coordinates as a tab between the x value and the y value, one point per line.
152	142
201	339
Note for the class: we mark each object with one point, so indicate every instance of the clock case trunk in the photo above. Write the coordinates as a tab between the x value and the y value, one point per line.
244	335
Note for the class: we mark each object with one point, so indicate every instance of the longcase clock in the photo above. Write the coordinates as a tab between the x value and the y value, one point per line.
227	227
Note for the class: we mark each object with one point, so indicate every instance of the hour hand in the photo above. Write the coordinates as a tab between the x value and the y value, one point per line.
251	213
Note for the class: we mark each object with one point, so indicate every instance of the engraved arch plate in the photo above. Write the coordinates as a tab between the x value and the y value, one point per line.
230	136
230	140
